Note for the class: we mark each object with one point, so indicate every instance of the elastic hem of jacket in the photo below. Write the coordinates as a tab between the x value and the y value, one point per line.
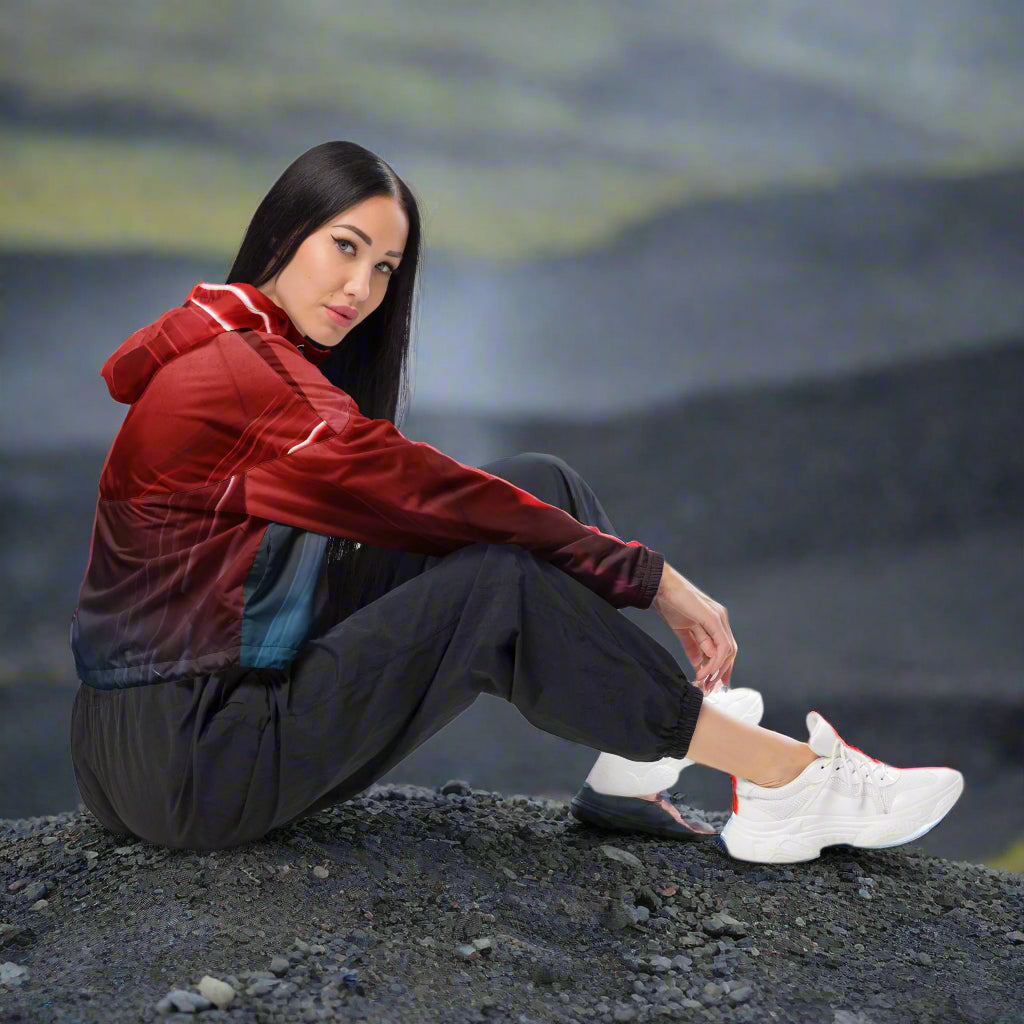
676	741
652	578
123	676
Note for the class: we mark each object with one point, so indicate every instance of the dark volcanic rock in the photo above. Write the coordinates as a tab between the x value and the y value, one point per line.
415	924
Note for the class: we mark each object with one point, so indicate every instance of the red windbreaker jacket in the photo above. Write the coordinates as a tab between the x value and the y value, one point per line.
235	464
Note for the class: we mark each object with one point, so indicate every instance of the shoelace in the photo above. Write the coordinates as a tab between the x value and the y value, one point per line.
855	766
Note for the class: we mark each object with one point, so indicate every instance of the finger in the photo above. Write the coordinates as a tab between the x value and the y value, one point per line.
708	678
691	649
717	665
726	676
703	640
725	644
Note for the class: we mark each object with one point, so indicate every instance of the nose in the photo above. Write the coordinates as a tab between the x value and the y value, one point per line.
358	284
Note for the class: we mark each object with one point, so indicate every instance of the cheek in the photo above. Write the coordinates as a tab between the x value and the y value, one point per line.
379	291
309	271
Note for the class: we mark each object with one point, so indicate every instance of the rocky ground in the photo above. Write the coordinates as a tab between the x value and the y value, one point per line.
454	904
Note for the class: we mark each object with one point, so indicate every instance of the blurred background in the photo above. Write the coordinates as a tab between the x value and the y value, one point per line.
756	269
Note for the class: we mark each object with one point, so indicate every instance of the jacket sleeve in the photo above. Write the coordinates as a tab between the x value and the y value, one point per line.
367	481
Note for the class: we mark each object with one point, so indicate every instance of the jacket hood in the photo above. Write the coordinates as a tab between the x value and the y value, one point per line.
209	310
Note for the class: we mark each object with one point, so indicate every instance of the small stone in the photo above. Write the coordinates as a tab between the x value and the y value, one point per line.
456	787
615	916
427	942
508	872
305	947
741	994
712	992
90	854
262	987
220	993
682	963
622	856
182	1001
864	894
640	915
921	958
40	904
34	891
48	840
484	945
321	872
800	922
668	890
660	964
12	974
1016	937
279	965
723	924
624	1013
648	898
467	952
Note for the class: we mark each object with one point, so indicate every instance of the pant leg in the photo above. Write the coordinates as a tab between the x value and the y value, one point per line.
485	619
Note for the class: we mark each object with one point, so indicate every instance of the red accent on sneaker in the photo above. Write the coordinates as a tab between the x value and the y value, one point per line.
735	798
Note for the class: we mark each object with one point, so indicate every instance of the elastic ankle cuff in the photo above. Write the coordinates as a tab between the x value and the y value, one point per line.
675	742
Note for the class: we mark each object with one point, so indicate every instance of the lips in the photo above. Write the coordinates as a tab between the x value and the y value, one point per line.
342	314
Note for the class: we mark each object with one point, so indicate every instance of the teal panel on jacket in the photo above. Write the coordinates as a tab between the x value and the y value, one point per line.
278	596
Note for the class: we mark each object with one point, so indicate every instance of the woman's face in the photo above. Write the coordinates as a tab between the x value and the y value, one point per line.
339	274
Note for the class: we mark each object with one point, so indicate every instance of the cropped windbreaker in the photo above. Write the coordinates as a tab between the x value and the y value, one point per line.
236	462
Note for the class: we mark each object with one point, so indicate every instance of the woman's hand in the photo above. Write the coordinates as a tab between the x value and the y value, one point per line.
701	624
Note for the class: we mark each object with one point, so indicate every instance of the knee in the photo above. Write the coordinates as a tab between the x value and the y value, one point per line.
540	473
493	563
543	460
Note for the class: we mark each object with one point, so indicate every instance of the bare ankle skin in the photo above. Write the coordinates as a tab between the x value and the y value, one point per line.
765	757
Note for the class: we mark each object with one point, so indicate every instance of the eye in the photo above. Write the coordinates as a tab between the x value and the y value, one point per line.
383	266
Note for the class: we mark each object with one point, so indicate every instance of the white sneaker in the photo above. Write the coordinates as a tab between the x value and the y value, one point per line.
844	797
618	776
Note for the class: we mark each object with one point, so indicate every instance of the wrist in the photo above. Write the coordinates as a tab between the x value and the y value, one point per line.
670	583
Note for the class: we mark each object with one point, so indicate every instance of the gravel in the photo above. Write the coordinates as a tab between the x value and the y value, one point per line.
465	905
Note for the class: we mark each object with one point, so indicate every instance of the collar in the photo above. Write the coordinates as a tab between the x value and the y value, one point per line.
241	306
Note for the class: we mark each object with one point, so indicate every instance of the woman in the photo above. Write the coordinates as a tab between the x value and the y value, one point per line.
285	596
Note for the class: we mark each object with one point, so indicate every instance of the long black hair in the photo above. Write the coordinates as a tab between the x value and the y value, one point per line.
372	362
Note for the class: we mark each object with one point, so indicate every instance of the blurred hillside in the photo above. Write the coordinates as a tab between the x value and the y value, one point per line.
530	128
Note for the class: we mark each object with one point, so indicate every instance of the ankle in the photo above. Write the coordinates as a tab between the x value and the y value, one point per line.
784	772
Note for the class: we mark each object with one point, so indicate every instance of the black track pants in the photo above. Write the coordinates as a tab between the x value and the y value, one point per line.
219	760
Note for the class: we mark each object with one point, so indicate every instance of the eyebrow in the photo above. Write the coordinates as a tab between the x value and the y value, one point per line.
366	238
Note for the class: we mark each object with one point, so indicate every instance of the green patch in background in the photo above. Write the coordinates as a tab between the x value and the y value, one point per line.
83	193
1011	859
106	194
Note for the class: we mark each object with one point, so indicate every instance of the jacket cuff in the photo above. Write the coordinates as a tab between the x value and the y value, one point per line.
651	578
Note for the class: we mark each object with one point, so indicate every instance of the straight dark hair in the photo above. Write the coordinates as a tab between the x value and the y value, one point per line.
372	362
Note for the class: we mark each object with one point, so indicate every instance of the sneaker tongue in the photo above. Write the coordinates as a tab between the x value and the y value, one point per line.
822	737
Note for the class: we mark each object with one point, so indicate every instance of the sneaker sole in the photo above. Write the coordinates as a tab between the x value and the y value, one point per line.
592	809
772	845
